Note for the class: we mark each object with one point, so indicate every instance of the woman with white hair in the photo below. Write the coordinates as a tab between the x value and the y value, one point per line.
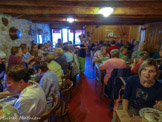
54	66
136	45
110	64
2	65
101	55
140	50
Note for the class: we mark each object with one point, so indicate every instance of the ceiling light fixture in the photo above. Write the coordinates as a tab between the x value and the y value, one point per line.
70	20
106	11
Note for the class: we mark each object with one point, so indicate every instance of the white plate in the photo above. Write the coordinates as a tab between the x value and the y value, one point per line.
7	101
151	114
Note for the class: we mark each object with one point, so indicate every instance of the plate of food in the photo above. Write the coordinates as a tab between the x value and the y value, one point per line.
8	100
158	105
151	114
138	119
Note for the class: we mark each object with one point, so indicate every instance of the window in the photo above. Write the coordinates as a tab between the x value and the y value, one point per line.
71	35
77	33
39	39
66	35
143	34
56	34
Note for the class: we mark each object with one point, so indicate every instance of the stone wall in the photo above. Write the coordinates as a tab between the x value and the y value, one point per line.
26	37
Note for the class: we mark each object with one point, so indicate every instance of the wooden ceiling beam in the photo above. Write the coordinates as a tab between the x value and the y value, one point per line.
62	18
90	23
94	19
55	17
99	20
108	0
99	23
33	17
76	10
35	3
58	15
47	3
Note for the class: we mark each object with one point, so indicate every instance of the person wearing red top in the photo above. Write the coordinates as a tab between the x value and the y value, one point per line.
113	46
15	57
142	57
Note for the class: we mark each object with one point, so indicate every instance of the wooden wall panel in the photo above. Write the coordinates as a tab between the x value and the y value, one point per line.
134	33
124	32
153	37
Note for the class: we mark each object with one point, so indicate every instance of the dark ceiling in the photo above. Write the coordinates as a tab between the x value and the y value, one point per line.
55	12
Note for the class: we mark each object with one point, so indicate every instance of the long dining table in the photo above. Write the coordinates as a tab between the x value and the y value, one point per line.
98	74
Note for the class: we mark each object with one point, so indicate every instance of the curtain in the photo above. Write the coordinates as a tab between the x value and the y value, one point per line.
143	34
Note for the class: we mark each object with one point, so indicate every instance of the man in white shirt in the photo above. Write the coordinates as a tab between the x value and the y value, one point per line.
31	102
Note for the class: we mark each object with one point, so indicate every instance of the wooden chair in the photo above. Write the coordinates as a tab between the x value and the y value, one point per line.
158	74
65	78
65	95
70	65
47	115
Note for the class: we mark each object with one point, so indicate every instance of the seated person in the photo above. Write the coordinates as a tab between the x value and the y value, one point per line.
31	101
25	54
41	49
48	82
136	45
160	74
96	47
50	48
46	47
110	64
67	54
59	44
2	68
54	66
101	56
123	53
120	43
140	50
2	65
143	90
71	46
113	46
158	55
58	52
142	57
15	57
129	46
34	52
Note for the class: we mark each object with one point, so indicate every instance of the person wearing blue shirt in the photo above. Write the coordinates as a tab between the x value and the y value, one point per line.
48	82
143	90
67	54
157	55
25	54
